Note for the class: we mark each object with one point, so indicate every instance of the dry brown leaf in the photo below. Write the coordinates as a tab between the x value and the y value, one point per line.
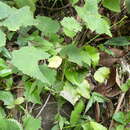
107	60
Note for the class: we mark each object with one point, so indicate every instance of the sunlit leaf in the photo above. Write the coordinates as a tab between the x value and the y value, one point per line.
93	54
69	93
70	26
19	18
91	17
101	74
55	62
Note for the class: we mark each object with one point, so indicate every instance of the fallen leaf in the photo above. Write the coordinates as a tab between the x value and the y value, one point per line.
107	60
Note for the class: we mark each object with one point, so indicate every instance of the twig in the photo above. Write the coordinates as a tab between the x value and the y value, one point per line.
55	9
117	108
43	106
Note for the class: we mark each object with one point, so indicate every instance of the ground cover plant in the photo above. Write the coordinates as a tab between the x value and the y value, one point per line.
64	65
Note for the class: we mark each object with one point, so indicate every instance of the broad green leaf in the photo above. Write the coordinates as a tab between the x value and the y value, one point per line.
5	10
96	97
125	87
26	60
85	58
54	62
120	127
47	25
93	54
128	5
91	17
70	26
2	39
118	41
19	18
32	92
30	3
97	126
50	74
73	54
2	113
75	114
84	89
4	69
74	77
101	74
6	97
69	93
10	124
99	98
120	117
5	72
93	126
113	5
31	123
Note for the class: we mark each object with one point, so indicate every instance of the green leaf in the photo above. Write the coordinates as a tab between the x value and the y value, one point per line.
26	60
97	126
5	72
50	74
2	39
2	113
125	87
91	17
120	117
120	127
10	124
93	54
73	54
74	1
93	126
30	3
118	41
47	25
128	5
32	92
70	26
69	93
85	58
19	18
113	5
6	97
84	89
19	101
4	69
101	74
74	77
5	10
96	97
31	123
55	62
75	114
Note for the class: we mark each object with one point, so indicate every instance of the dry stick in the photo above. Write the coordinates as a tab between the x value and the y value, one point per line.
117	108
43	106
